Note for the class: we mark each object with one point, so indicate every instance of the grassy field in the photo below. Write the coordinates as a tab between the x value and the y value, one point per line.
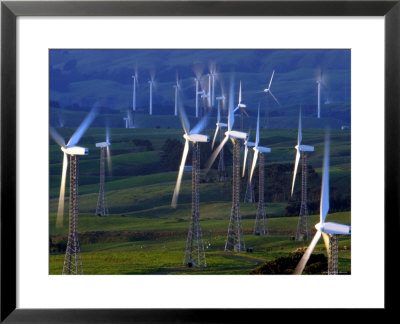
144	235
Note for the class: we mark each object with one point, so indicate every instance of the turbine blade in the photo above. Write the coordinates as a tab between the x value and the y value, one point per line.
231	117
255	156
83	127
180	173
215	153
303	261
215	136
299	131
274	97
270	81
57	137
296	164
245	112
109	166
324	207
246	149
183	118
326	241
60	213
258	128
200	125
240	92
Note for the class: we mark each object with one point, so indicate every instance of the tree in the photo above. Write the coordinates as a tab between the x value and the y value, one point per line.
171	155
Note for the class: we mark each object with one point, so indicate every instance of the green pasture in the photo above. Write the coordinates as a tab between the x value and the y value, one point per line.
144	235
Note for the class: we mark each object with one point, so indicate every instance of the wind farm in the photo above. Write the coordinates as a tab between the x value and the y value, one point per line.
234	206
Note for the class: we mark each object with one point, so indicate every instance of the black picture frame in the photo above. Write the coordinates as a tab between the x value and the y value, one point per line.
10	10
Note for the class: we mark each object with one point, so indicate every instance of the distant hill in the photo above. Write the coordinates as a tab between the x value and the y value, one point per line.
79	78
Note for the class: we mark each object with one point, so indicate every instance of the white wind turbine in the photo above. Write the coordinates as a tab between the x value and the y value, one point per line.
323	228
267	92
194	252
299	149
260	226
241	106
70	149
235	239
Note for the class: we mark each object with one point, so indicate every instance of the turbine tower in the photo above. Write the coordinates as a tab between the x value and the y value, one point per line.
177	88
221	163
151	83
267	92
249	195
319	84
197	80
303	230
194	251
235	239
135	81
328	230
241	106
260	225
101	208
211	89
72	261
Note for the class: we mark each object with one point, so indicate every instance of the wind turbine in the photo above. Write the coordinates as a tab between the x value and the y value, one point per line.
241	106
72	261
267	92
194	251
260	227
101	208
328	230
235	240
303	231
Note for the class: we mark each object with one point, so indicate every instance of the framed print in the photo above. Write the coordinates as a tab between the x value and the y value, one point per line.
152	148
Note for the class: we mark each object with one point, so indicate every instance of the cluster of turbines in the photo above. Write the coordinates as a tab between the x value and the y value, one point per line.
207	94
194	255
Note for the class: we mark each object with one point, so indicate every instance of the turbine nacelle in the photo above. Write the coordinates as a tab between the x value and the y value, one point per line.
304	148
262	149
75	150
334	228
237	135
103	144
220	98
196	138
222	125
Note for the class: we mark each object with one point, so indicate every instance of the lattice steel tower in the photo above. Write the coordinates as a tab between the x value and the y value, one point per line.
72	261
333	254
101	209
194	251
260	225
303	228
235	239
